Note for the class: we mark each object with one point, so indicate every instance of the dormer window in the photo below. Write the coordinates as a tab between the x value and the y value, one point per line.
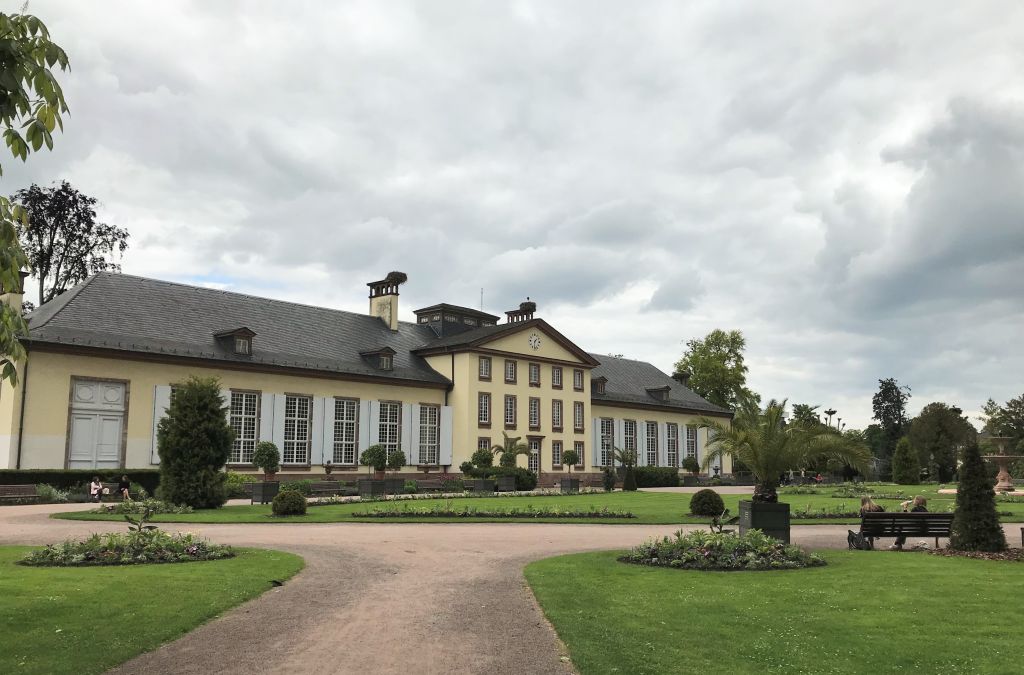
597	385
381	359
386	361
660	393
236	340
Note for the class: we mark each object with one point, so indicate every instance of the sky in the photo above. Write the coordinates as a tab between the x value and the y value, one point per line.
839	181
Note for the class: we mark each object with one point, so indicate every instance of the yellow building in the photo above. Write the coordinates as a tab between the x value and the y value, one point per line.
325	384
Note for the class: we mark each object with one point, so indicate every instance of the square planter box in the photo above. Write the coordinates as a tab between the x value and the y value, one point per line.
394	486
506	483
772	519
570	485
265	491
480	484
371	487
689	480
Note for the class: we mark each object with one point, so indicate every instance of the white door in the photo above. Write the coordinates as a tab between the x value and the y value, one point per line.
97	422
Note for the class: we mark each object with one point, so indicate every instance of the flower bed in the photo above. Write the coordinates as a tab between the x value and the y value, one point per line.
721	551
1013	554
133	548
447	511
139	507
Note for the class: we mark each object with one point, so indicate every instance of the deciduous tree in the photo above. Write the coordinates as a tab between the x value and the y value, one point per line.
937	434
31	105
716	368
62	239
890	407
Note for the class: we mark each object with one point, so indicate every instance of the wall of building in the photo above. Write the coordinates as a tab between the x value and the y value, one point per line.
49	389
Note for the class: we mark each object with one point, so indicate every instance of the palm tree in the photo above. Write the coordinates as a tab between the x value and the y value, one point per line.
626	458
763	441
510	449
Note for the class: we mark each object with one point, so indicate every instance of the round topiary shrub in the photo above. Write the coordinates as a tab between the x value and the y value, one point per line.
289	503
706	503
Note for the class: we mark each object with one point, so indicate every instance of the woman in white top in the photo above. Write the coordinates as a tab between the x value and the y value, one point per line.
96	489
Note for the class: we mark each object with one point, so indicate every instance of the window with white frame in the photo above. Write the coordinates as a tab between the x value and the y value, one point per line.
534	460
243	345
483	443
246	423
483	412
389	427
430	434
298	413
672	438
556	415
607	437
629	434
577	379
556	377
579	447
652	443
510	370
556	453
691	441
485	367
577	415
510	410
534	413
346	432
535	374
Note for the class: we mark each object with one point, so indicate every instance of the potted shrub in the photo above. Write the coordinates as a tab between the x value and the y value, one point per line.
690	464
769	447
627	459
396	460
374	457
569	484
328	467
266	456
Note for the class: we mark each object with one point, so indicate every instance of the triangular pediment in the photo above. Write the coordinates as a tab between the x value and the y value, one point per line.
535	337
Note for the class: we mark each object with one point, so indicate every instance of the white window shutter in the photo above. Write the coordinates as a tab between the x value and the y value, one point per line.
619	426
316	434
662	444
278	437
374	419
161	402
407	440
446	436
641	443
266	417
328	434
596	422
414	434
364	427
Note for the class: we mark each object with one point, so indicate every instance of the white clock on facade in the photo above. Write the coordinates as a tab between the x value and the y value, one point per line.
534	341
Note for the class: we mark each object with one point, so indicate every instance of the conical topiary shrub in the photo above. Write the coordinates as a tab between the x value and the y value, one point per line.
906	468
976	524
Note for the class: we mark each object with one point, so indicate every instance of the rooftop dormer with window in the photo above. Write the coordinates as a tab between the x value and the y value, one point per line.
597	385
236	340
381	359
659	393
445	319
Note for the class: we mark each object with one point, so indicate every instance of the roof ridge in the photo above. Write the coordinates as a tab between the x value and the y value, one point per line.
244	295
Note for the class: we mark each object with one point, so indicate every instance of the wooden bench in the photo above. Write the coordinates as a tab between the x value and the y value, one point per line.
900	524
428	486
332	488
13	492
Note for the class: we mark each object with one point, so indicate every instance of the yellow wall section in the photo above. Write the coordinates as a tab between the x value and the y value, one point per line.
46	406
518	343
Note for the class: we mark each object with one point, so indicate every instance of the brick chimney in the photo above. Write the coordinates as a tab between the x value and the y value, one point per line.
15	297
682	378
384	298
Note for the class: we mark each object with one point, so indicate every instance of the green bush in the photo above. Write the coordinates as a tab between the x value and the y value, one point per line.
303	486
289	503
691	464
267	457
975	523
526	480
375	456
700	550
706	503
194	442
51	495
396	460
133	548
66	479
482	458
629	480
234	484
134	507
906	467
656	476
411	487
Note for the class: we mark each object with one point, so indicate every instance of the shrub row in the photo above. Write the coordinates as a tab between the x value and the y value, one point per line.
525	479
530	511
64	479
133	548
701	550
656	476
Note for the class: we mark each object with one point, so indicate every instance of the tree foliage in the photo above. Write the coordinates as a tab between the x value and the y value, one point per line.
266	456
768	446
906	469
890	409
376	456
1005	420
31	105
937	434
510	449
976	523
194	442
716	367
62	239
804	413
570	458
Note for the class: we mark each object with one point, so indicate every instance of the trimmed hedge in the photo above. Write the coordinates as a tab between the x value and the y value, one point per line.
706	503
526	480
656	476
288	503
64	479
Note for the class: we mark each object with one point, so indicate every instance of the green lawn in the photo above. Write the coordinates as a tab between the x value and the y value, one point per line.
866	612
649	507
88	619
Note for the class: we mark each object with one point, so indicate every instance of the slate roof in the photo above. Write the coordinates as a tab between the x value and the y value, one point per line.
629	380
129	313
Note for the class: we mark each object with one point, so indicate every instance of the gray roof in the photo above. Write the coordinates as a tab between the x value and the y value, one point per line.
628	382
128	313
468	336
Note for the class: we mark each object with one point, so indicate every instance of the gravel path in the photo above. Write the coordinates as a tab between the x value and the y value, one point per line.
382	598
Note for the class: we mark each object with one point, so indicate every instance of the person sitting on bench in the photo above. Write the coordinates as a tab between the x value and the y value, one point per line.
868	505
123	488
918	505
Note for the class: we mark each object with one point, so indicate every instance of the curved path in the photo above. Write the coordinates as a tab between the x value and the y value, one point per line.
381	598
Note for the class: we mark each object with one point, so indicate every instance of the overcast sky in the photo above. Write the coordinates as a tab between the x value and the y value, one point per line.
840	181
